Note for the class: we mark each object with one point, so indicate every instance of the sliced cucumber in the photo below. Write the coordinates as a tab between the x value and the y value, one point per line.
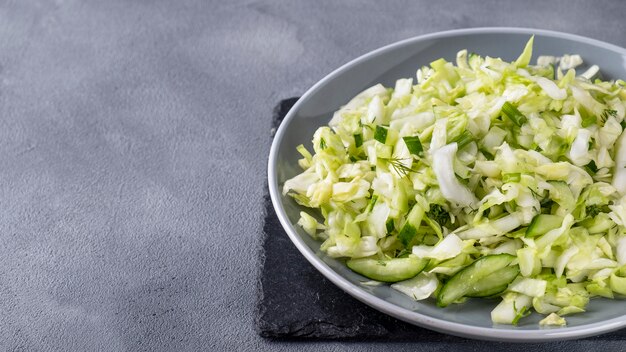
468	278
409	230
543	223
495	284
388	270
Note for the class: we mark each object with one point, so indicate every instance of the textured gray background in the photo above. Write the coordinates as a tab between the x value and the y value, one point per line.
133	145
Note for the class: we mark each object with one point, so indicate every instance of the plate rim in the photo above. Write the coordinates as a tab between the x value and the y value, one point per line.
413	317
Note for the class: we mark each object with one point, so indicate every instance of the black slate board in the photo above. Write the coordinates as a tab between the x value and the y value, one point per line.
295	301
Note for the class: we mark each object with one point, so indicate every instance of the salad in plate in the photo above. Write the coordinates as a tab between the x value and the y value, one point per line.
478	178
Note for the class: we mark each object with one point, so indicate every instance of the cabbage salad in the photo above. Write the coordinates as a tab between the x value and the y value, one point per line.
478	178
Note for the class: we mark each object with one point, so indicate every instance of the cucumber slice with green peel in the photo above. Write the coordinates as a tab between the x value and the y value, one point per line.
409	230
388	270
543	223
495	284
490	293
468	278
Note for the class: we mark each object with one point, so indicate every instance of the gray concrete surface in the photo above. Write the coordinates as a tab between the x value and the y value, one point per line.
133	143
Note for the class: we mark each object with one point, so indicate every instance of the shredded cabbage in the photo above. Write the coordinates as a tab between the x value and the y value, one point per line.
462	162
